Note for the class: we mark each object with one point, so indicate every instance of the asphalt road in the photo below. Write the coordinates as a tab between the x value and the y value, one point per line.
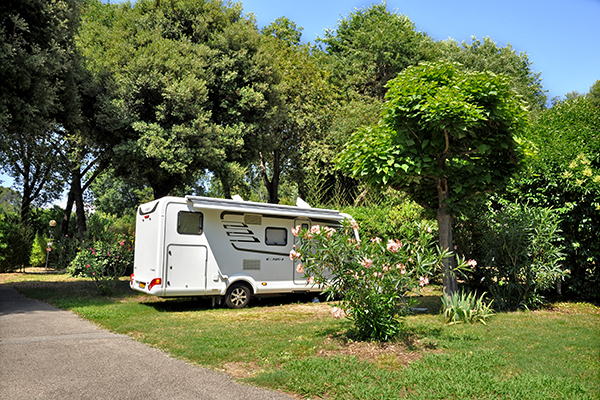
47	353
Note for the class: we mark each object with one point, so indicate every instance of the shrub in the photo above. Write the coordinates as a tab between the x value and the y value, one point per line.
517	254
461	307
104	262
371	277
38	251
15	241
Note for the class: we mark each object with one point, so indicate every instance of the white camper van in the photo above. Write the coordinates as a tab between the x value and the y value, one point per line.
224	249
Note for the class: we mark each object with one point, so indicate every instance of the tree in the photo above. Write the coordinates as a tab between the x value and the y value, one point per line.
304	99
594	93
445	135
488	56
371	46
36	41
186	80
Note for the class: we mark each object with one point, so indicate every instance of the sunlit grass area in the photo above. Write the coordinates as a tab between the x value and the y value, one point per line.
294	345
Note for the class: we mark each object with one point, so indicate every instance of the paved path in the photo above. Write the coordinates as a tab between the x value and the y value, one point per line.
47	353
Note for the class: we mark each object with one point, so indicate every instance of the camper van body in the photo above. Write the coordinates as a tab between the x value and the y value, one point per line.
224	249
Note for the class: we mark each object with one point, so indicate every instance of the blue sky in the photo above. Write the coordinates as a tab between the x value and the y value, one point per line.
561	37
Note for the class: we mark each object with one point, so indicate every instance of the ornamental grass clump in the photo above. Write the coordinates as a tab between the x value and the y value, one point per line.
371	278
461	307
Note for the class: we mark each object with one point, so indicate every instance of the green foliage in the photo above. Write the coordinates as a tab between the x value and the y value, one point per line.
188	82
563	172
440	124
116	196
488	56
284	29
462	307
517	255
104	262
10	200
305	100
15	242
594	94
36	94
389	221
371	277
371	46
38	251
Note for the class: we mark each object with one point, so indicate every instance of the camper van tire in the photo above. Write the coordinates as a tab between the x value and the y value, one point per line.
238	296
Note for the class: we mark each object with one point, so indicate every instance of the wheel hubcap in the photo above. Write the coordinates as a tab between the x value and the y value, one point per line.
238	296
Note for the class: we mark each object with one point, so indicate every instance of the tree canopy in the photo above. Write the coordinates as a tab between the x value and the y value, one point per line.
371	46
488	56
445	135
187	81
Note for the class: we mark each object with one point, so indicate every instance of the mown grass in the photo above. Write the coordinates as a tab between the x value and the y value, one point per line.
293	345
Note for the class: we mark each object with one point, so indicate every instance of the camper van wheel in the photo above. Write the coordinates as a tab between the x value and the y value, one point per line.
238	296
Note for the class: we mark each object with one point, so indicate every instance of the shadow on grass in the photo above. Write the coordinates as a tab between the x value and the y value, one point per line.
71	293
185	304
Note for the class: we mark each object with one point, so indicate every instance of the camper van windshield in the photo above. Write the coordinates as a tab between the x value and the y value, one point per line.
189	223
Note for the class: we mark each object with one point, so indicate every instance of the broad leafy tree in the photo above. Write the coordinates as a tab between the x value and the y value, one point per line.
304	99
37	99
186	79
371	46
486	55
445	134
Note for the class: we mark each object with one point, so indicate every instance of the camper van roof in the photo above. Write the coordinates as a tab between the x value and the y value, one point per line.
261	208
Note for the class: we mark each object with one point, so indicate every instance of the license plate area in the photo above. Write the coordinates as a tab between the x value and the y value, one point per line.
142	285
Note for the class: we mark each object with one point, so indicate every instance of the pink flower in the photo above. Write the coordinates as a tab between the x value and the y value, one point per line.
296	230
93	273
472	263
122	243
423	281
376	240
48	249
311	280
394	246
87	266
366	262
329	231
299	269
315	229
402	268
337	312
294	255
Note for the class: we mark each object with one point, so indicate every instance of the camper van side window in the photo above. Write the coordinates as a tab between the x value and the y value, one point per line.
276	236
189	223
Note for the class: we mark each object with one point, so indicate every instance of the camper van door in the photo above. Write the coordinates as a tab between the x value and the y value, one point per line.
186	251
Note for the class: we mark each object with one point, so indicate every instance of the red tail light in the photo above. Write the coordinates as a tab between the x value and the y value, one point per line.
155	281
131	279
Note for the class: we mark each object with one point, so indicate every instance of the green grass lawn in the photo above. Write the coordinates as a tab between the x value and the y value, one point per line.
294	345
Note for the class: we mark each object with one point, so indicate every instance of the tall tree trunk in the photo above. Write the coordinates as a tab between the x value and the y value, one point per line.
64	227
444	219
272	184
78	196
